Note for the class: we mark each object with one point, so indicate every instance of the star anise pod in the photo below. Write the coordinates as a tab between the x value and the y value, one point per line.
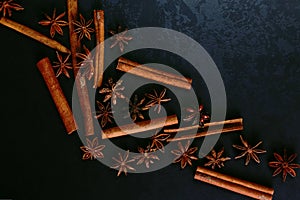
122	163
192	115
7	6
113	91
92	150
83	28
120	38
249	151
157	141
284	164
104	114
184	154
87	62
146	156
62	65
216	159
55	23
156	100
135	108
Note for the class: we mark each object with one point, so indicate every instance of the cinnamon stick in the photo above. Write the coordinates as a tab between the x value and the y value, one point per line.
57	95
80	81
99	54
226	122
139	127
240	186
135	68
34	35
216	129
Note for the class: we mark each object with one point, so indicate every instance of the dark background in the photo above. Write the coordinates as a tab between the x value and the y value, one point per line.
254	43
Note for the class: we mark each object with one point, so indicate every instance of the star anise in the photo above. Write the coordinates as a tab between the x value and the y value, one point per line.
216	159
92	150
122	163
157	141
104	113
249	151
87	62
156	100
146	156
7	6
83	28
120	38
284	164
62	65
135	108
55	23
184	154
192	115
113	91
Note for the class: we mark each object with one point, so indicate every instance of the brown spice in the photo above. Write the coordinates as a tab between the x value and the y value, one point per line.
137	69
83	28
34	35
216	159
7	6
249	151
284	164
139	127
56	92
80	81
229	126
55	23
240	186
185	154
99	52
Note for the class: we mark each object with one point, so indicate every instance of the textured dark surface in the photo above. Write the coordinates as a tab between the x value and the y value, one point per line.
256	46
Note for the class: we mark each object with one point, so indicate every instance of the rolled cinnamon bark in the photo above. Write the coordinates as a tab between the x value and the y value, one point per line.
99	54
228	126
233	184
80	81
135	68
139	127
34	35
57	95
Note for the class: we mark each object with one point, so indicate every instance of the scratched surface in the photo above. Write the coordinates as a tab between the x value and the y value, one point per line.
254	43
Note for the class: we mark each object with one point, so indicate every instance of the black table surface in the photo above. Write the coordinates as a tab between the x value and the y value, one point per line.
255	45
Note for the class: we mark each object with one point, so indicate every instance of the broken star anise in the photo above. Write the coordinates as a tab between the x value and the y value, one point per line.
156	100
104	114
184	154
92	150
62	65
7	6
193	112
122	163
83	28
113	91
55	23
249	151
284	164
146	156
120	38
216	159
